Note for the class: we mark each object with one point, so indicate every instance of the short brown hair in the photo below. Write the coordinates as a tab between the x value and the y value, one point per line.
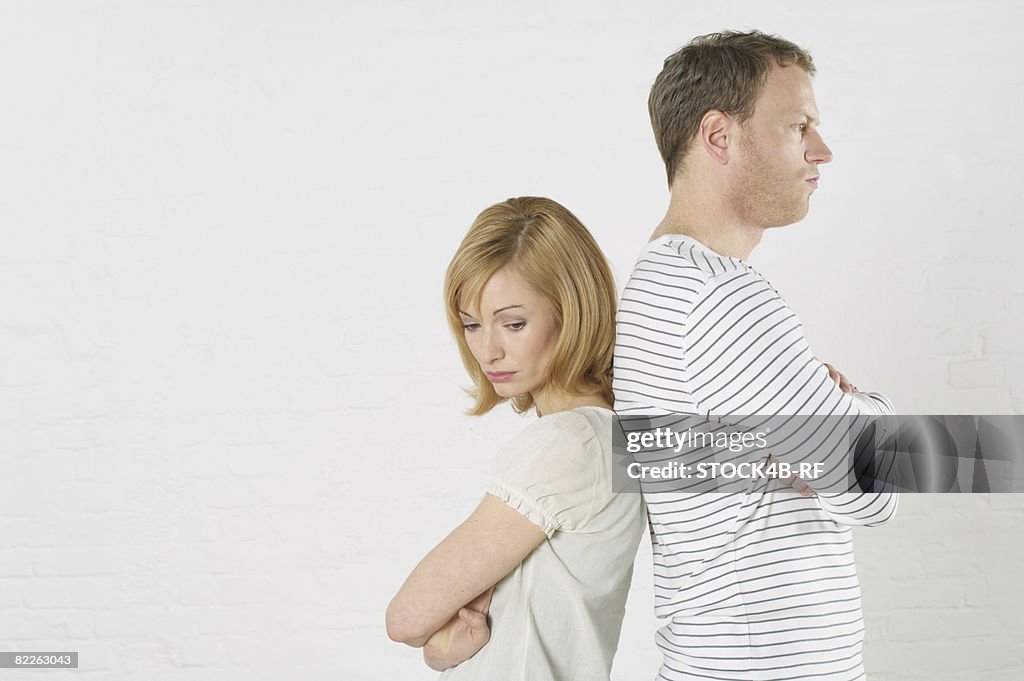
551	249
723	71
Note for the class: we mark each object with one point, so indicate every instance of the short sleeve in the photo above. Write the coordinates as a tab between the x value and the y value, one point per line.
552	473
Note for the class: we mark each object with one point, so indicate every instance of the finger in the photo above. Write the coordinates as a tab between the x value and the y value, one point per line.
802	487
796	483
482	602
471	617
486	600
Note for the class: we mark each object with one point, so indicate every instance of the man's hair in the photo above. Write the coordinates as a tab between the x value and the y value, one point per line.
723	71
551	249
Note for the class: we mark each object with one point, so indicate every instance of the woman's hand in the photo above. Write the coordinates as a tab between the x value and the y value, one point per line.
461	637
478	554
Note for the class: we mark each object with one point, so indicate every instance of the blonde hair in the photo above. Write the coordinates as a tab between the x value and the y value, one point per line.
551	249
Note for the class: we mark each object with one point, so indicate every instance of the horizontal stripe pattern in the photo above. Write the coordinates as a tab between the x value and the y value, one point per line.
760	585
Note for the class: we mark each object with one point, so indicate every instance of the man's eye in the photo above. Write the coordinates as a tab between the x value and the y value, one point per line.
801	126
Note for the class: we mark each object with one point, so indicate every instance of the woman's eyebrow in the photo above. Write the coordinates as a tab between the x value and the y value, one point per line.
500	309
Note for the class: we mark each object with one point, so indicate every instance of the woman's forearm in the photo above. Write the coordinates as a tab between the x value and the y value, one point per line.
473	558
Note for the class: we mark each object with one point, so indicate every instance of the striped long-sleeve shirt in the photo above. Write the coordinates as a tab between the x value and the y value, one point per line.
762	584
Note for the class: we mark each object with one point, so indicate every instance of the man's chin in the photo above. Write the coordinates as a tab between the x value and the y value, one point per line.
797	215
786	221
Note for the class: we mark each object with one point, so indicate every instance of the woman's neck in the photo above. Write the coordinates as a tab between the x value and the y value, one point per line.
549	403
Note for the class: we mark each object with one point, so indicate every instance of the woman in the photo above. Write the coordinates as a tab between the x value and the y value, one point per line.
549	551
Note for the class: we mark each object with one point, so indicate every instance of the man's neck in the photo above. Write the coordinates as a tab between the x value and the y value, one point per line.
724	239
712	225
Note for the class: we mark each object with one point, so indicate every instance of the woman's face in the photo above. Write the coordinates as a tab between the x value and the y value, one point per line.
512	335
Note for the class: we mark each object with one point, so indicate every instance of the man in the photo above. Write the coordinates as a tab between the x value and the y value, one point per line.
758	585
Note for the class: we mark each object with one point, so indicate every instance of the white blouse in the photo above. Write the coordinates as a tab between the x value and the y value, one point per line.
558	615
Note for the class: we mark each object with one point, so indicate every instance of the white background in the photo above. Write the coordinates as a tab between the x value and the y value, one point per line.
230	409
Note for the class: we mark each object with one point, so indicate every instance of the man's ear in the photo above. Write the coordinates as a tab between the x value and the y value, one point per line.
715	135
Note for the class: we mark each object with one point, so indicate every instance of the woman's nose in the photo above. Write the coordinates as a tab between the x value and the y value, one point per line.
492	347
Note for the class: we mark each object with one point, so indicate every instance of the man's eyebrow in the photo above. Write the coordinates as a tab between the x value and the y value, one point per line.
809	116
500	309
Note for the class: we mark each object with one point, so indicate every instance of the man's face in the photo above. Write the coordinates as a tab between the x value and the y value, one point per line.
779	151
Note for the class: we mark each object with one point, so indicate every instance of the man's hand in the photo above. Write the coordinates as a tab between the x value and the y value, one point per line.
461	637
840	380
791	480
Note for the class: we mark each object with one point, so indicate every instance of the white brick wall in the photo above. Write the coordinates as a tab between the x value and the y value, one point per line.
229	405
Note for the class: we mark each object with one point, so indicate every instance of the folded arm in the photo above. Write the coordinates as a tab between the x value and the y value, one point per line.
875	506
750	363
462	637
469	561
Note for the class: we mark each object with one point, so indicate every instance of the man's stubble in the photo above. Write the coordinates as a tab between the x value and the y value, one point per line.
763	194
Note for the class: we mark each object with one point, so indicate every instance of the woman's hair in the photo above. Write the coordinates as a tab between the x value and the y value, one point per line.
557	257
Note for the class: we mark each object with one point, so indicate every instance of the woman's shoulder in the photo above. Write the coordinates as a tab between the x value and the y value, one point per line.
581	421
572	427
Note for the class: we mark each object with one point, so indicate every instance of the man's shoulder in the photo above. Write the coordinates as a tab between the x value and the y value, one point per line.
680	258
674	278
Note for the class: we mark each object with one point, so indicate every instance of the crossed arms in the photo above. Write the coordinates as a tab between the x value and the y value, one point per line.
442	605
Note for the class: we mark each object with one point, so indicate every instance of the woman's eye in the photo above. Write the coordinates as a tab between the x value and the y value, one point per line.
471	327
516	326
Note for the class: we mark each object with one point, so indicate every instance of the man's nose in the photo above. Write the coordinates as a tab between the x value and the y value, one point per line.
818	152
